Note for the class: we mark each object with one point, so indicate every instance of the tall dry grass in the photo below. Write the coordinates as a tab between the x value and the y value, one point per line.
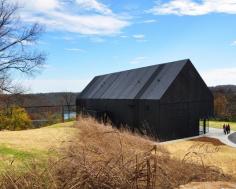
101	157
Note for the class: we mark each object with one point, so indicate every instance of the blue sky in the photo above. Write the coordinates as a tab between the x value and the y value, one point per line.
85	38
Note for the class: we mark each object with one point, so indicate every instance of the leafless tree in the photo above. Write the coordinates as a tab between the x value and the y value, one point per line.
68	101
17	52
9	100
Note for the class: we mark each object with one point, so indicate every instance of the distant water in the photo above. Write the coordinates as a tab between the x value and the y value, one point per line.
41	122
72	115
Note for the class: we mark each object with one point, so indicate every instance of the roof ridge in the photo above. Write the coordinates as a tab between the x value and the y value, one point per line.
134	84
132	69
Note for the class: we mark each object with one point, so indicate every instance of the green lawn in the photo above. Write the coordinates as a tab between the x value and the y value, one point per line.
219	124
19	147
15	153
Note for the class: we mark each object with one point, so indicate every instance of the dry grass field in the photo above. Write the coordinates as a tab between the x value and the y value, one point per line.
215	153
21	146
87	154
37	139
209	185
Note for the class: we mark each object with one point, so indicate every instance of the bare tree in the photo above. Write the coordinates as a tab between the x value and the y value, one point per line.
16	46
68	101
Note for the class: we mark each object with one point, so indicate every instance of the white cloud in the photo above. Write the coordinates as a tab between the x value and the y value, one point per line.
67	16
54	85
139	60
75	50
194	8
220	76
139	36
39	5
233	43
149	21
42	42
47	66
67	38
97	40
94	5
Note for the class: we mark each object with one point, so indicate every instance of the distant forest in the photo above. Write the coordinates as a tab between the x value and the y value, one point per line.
224	100
40	99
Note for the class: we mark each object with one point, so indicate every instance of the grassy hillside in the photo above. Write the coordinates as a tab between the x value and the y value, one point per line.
212	152
37	139
18	147
91	155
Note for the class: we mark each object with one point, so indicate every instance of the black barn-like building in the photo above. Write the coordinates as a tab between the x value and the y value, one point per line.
166	101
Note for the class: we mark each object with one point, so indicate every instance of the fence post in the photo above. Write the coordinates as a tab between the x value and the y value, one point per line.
62	114
204	126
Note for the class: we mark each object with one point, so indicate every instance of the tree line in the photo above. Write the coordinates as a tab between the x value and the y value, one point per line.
224	102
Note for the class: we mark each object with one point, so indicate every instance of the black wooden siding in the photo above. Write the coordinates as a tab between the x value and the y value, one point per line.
165	101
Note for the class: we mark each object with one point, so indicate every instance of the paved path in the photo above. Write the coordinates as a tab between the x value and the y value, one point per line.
219	134
213	133
232	137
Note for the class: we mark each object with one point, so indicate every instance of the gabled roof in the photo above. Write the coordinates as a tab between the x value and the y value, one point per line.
143	83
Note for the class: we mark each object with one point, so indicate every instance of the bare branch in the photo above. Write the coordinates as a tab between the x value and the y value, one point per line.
16	52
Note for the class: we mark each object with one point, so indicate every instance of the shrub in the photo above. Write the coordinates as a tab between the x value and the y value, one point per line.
14	119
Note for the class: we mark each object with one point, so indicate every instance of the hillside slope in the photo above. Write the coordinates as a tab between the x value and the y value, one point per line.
98	156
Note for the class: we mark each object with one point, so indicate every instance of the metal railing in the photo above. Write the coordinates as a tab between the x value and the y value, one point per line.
44	115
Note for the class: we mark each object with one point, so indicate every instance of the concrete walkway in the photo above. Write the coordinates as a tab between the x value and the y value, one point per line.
213	133
219	134
232	137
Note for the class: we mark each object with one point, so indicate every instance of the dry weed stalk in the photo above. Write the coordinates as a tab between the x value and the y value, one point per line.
104	158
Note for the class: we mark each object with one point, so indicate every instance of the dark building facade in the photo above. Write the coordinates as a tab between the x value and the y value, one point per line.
165	101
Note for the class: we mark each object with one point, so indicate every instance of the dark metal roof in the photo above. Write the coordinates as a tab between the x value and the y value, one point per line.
143	83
